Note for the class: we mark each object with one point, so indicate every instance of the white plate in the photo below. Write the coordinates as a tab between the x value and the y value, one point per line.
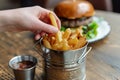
103	29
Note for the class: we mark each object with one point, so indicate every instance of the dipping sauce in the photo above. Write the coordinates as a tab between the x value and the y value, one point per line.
23	65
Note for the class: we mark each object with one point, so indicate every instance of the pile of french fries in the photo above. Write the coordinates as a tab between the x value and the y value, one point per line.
69	39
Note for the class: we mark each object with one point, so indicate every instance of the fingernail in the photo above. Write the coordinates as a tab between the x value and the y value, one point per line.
37	37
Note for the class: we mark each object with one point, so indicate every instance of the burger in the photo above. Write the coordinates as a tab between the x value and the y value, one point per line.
76	13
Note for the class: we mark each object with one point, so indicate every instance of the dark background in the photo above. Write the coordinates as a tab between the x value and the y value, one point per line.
98	4
116	5
25	3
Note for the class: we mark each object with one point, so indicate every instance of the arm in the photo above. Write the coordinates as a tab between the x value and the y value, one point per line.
35	19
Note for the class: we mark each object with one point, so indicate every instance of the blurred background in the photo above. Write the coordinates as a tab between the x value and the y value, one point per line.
107	5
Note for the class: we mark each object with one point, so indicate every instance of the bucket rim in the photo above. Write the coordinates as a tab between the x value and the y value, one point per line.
41	45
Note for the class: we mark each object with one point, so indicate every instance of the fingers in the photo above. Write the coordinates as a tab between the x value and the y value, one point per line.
59	23
38	35
44	23
39	25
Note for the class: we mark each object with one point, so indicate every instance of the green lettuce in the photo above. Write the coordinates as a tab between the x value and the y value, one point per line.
63	28
90	31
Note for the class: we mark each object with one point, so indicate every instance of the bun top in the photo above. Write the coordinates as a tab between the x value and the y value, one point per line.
72	9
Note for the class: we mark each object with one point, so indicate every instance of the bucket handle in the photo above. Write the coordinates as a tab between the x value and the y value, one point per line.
84	55
39	51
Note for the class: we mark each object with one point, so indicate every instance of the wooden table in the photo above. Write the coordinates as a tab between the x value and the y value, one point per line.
103	62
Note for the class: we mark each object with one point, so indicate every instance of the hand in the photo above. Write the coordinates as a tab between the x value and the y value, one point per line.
35	19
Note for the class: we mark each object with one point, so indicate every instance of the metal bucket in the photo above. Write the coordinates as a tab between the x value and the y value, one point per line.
64	65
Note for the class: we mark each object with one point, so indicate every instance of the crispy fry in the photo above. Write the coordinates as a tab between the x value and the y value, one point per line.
56	46
54	23
59	36
73	41
52	41
46	43
65	45
73	36
53	20
67	34
81	42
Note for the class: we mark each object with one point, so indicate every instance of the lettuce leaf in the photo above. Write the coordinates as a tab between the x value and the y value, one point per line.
90	31
63	28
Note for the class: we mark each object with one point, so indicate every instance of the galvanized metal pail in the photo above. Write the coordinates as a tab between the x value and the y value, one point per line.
64	65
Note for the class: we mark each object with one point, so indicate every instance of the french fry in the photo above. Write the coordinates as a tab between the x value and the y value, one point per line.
46	43
81	31
65	45
67	34
58	36
81	43
54	23
57	46
73	41
53	39
53	20
73	36
77	31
